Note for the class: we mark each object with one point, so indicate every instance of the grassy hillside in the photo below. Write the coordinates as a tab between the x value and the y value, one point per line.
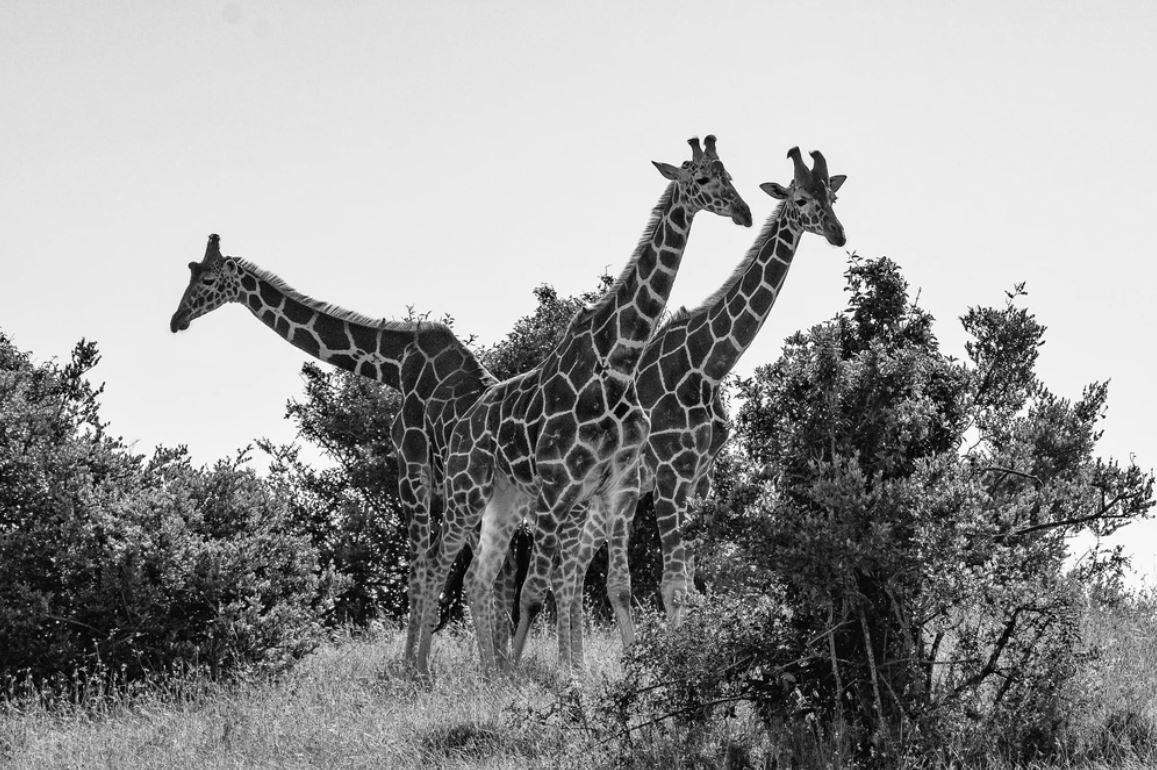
350	705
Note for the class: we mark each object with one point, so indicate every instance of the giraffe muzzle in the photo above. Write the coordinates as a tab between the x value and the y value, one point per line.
179	322
741	214
836	236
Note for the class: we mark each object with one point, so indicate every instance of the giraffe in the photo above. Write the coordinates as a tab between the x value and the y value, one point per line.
571	428
685	362
437	375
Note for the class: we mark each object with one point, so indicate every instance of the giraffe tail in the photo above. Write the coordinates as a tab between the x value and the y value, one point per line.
450	599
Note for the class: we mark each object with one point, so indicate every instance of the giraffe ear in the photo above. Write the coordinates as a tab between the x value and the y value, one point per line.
837	181
674	173
775	190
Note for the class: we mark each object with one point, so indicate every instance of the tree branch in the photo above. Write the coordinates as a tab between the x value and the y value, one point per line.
990	664
1103	513
881	726
1012	472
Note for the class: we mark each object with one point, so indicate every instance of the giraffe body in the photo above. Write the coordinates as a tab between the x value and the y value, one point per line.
568	432
683	367
437	376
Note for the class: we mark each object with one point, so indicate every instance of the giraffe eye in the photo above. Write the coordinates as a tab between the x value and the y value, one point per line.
703	180
208	279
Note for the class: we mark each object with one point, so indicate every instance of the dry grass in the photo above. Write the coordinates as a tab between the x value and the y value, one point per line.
348	705
352	705
1119	689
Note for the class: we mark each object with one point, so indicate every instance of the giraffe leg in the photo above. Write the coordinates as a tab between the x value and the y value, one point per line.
670	498
557	579
573	598
554	504
567	578
438	561
530	602
414	493
622	515
463	510
564	607
569	599
505	590
594	534
498	527
455	582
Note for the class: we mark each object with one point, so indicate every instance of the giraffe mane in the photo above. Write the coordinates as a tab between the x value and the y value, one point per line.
644	242
669	319
683	314
328	308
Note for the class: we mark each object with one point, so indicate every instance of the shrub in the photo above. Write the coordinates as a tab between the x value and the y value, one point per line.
915	510
108	559
349	510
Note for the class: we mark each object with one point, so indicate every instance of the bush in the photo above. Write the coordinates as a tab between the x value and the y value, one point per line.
731	649
349	511
915	510
110	560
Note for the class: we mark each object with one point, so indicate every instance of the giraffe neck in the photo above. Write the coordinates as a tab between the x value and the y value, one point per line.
736	312
370	347
625	317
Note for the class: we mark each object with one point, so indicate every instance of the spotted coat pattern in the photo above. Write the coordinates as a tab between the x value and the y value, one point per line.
437	375
684	364
570	430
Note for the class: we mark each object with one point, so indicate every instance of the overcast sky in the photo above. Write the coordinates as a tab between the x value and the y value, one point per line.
451	156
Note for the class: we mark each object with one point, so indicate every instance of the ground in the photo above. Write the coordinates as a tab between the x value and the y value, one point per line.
347	705
350	705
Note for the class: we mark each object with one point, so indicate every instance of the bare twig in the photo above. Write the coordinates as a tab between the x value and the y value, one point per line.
990	665
1103	513
881	725
1012	472
930	664
678	712
835	663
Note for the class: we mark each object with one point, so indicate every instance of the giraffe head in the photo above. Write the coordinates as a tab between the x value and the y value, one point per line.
810	196
706	184
213	281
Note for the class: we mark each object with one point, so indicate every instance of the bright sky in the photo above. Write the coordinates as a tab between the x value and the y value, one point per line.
453	155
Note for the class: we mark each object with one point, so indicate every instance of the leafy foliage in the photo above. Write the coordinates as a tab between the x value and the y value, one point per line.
135	564
535	335
915	510
350	510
